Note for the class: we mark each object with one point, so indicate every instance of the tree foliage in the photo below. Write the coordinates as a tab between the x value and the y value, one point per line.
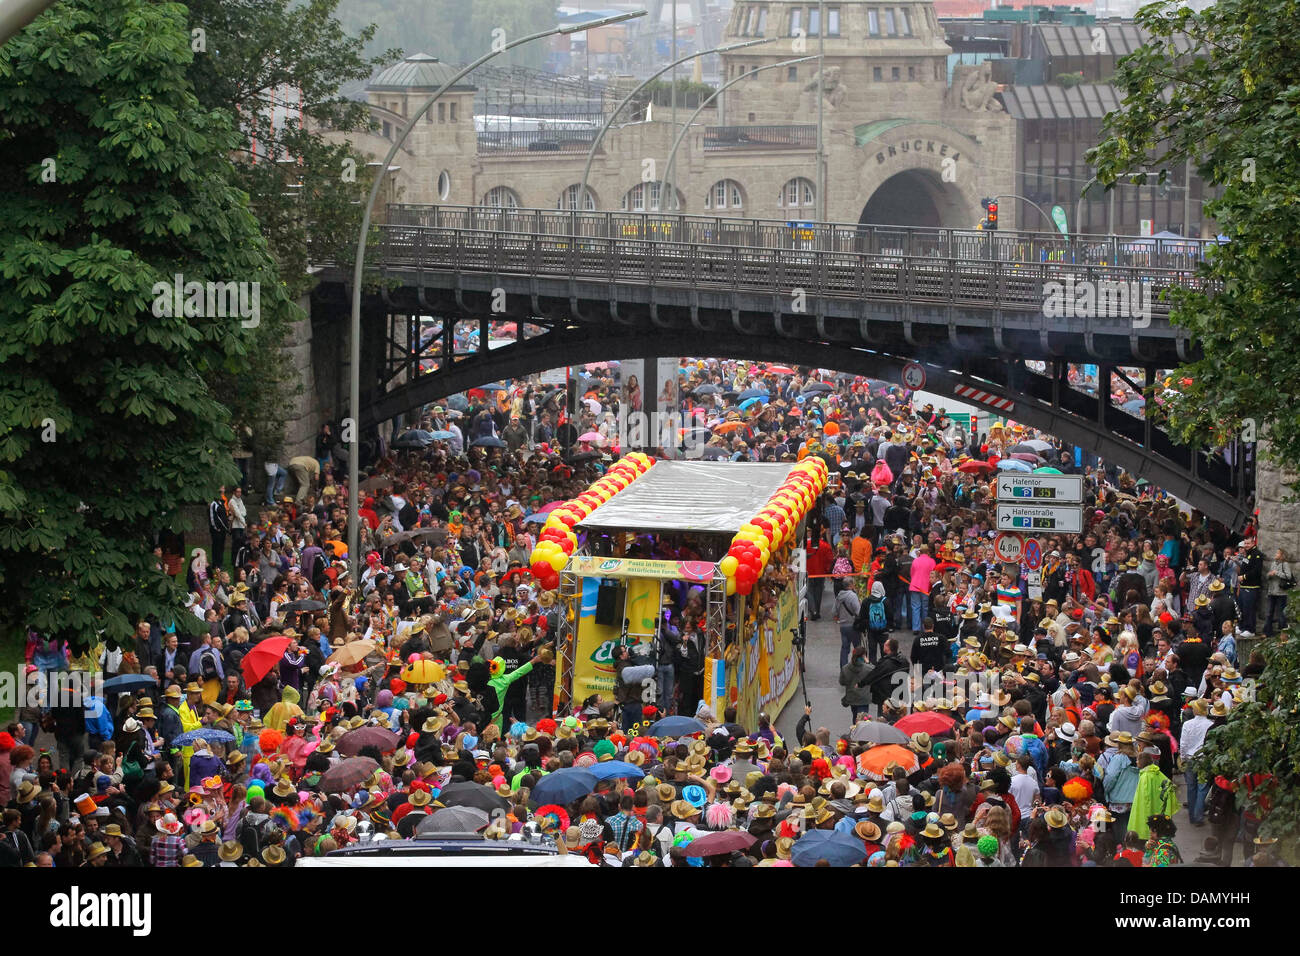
120	179
1221	88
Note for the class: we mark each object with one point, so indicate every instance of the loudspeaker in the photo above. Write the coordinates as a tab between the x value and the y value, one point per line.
609	602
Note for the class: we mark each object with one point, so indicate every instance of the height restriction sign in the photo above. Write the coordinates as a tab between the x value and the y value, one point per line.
1008	547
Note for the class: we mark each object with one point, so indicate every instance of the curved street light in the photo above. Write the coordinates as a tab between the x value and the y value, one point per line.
583	193
354	396
686	127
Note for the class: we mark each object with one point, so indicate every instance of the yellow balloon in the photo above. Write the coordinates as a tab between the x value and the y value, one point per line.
558	561
731	586
728	566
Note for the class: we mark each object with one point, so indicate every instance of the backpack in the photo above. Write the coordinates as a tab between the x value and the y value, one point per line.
842	566
208	665
871	616
1220	804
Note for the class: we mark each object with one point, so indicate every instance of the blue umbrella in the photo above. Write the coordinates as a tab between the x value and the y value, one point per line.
128	682
538	518
441	435
749	402
677	725
488	441
210	734
752	393
616	768
1013	464
458	402
563	786
837	849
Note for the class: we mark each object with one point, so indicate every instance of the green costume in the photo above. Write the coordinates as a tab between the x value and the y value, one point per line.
1155	794
501	683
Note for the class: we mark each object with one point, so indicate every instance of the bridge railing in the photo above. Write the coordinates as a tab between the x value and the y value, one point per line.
917	271
899	242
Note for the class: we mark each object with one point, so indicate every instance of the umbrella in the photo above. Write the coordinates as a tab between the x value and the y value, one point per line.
712	454
583	457
415	438
350	744
591	436
258	662
779	370
753	393
349	654
564	786
722	842
1134	405
210	734
1013	464
611	769
1047	471
876	732
707	389
926	723
423	672
751	402
487	441
974	467
375	483
128	682
548	508
460	819
837	849
677	725
466	793
442	435
537	518
458	402
347	773
818	387
1037	444
305	605
1027	456
727	427
1024	447
873	763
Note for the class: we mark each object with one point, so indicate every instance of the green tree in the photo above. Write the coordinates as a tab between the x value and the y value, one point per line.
1221	88
278	66
120	181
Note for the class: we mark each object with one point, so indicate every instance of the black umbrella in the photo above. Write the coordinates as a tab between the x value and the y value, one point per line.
468	794
753	393
493	387
488	441
415	438
128	682
707	389
583	457
304	605
817	387
458	402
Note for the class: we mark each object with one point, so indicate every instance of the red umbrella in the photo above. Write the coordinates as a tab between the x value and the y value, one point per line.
721	842
258	662
352	742
974	467
926	722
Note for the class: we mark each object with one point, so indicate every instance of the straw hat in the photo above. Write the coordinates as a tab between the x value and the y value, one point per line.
97	850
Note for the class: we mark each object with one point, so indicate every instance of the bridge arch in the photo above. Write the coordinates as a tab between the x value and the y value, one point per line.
578	345
917	173
916	197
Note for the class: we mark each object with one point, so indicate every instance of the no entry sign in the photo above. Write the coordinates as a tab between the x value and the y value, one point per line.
1009	546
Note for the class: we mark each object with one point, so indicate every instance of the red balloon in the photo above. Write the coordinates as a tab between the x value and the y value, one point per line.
540	569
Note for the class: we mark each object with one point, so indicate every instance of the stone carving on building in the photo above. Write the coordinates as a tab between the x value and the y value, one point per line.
973	88
833	90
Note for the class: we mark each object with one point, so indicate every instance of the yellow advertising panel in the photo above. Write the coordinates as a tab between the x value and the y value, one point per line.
697	571
766	673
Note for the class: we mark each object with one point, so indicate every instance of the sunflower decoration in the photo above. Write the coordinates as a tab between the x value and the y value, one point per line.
552	818
496	667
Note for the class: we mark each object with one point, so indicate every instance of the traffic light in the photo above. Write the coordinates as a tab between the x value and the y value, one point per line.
992	206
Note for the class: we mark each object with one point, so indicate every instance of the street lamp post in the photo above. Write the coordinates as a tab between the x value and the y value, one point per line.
581	200
1032	203
681	135
354	396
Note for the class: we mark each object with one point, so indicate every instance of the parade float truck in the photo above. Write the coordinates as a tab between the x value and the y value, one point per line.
648	538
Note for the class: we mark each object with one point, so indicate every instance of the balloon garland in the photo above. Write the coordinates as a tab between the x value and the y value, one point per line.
775	525
557	540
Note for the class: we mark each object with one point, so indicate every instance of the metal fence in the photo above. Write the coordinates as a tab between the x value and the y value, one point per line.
891	244
500	242
535	140
760	137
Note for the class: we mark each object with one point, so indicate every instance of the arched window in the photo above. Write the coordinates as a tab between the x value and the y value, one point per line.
644	197
725	194
501	197
796	194
568	200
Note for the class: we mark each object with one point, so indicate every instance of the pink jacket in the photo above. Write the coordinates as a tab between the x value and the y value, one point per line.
922	565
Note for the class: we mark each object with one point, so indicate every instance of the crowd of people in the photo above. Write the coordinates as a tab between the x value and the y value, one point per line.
1039	719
